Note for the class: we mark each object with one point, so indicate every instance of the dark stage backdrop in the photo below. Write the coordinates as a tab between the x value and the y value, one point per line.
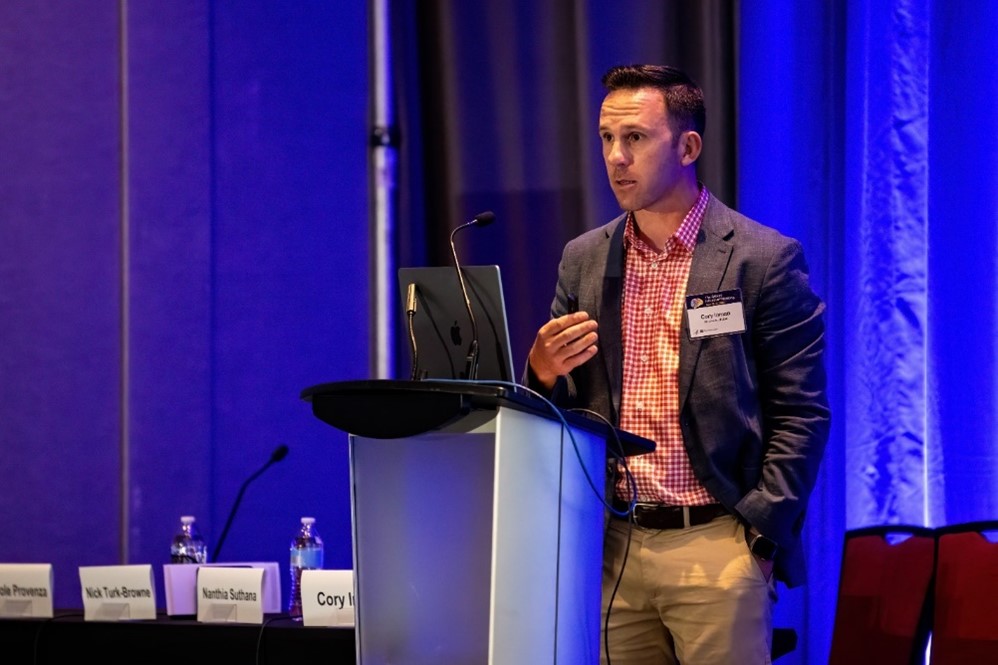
183	249
865	129
498	108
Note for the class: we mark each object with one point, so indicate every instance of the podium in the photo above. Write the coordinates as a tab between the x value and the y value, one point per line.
478	519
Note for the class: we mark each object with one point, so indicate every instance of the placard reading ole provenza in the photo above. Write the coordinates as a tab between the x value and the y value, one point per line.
26	590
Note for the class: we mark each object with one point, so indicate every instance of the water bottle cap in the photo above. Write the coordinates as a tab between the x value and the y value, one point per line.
308	520
187	519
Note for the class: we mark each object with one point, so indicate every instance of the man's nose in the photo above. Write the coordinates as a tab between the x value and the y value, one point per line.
617	154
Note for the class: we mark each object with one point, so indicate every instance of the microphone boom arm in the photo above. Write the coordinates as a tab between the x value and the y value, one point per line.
279	453
471	365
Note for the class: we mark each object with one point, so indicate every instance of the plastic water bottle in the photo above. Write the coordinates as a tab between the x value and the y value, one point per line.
306	554
188	546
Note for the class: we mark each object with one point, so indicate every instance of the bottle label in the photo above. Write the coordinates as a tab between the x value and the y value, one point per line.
308	558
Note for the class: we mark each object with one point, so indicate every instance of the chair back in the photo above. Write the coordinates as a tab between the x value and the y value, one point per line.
884	605
965	622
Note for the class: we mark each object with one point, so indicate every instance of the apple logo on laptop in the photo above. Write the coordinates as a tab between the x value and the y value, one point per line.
455	334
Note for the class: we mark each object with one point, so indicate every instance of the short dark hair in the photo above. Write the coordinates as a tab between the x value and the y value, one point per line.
683	97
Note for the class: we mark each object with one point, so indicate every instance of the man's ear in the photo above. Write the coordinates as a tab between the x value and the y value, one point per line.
692	145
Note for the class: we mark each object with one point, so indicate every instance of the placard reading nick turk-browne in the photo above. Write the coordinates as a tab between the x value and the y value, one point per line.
26	590
230	595
327	598
118	593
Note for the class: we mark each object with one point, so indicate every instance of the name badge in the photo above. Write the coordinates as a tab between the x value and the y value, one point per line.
26	590
714	314
117	593
327	598
230	595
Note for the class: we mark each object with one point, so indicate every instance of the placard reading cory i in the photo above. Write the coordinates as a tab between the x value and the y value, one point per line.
327	598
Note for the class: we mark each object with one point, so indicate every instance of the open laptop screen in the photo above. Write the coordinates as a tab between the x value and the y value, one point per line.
443	330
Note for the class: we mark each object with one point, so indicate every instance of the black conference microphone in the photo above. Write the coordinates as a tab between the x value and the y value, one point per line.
471	368
280	452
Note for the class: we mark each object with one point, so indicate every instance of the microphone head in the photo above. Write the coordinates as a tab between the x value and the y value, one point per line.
279	453
484	218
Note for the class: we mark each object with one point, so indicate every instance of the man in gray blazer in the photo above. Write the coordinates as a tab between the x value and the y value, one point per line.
696	328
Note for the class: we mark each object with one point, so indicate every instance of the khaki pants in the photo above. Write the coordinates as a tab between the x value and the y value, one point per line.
693	596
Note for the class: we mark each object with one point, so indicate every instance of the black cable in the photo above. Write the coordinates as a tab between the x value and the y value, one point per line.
38	633
621	459
38	640
414	373
616	586
259	637
561	417
518	387
629	513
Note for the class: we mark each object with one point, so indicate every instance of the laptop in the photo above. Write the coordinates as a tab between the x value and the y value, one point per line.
443	331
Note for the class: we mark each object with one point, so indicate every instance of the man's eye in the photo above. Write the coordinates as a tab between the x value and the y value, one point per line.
633	137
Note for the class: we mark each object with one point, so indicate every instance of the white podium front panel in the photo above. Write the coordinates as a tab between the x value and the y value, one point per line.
547	543
480	543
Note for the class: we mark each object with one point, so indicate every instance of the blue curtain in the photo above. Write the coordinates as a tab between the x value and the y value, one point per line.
791	175
961	479
870	133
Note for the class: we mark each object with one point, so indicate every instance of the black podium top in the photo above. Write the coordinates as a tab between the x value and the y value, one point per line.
391	409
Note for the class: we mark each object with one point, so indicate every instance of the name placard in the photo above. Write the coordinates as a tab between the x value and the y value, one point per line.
181	583
118	593
230	595
26	590
327	598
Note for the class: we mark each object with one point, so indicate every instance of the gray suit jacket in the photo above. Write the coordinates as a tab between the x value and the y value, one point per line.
753	407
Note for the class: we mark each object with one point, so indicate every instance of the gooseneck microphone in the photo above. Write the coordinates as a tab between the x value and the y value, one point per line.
410	313
280	452
471	366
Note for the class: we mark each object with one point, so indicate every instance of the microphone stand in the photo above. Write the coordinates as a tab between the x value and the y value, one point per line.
471	365
410	312
279	453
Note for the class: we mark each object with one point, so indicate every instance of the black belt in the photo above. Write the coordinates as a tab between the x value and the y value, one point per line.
660	516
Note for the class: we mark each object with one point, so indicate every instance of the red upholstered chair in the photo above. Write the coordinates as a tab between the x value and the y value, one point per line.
884	604
965	624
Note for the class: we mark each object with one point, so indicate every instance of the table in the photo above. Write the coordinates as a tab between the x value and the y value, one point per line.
68	638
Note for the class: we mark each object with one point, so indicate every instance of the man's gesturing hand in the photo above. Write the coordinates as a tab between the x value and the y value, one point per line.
561	345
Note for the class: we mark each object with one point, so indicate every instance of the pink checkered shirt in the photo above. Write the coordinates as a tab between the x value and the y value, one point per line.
654	296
